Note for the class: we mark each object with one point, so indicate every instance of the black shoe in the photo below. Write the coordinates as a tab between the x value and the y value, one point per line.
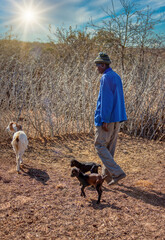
116	179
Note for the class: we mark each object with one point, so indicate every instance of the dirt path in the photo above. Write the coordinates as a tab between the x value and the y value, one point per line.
44	202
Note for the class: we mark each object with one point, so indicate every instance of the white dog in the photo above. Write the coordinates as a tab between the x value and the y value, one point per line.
19	142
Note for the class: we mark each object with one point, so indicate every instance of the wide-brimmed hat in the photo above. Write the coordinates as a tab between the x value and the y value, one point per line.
102	58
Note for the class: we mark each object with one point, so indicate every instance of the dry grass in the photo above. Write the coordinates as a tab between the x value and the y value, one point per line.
144	183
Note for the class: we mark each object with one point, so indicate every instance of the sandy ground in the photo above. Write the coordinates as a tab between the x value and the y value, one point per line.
44	202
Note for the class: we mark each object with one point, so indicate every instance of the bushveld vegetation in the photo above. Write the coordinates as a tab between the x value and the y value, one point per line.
53	87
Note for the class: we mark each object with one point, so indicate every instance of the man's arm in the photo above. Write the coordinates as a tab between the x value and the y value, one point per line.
106	103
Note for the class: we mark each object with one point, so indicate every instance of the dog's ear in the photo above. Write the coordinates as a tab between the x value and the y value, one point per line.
72	162
11	126
78	170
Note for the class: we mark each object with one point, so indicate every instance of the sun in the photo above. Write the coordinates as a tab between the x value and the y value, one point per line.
29	16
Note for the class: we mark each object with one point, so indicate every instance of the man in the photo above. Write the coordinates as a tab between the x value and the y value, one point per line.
110	111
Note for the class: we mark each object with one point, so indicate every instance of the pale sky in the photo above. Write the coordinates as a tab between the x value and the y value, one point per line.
30	18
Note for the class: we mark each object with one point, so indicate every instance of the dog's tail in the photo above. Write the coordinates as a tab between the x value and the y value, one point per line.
98	165
104	177
17	139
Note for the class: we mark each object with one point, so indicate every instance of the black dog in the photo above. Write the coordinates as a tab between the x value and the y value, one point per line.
85	167
93	179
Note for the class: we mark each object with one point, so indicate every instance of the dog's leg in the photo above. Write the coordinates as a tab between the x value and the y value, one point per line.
18	163
99	190
21	160
82	191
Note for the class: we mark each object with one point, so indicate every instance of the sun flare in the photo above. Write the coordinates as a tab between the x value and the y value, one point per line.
29	16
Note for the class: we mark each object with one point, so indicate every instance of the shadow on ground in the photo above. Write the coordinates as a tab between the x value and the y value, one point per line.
154	198
103	204
38	174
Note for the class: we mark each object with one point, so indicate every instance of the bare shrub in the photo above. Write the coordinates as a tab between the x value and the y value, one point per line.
53	88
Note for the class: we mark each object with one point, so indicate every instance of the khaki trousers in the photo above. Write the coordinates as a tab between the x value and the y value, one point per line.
105	143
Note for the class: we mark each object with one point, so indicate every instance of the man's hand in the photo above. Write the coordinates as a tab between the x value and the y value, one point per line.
105	126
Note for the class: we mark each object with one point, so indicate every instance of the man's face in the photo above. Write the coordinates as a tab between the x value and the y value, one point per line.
101	67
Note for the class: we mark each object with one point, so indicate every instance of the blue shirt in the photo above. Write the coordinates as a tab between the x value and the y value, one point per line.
110	104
